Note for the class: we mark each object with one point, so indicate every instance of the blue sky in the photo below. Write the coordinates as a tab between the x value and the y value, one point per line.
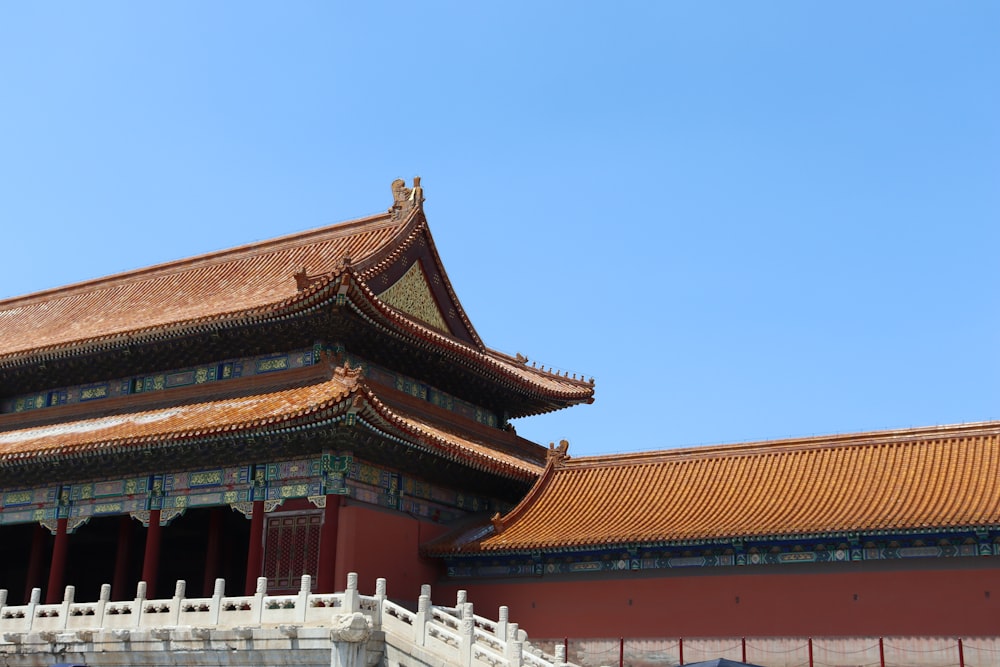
745	220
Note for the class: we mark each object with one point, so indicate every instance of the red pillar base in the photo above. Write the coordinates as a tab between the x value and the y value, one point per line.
57	572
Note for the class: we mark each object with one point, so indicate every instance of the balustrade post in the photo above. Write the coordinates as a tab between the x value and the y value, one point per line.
560	655
467	634
516	653
420	620
460	599
302	603
36	598
218	593
102	604
351	602
177	602
68	596
511	639
503	615
139	604
379	603
258	599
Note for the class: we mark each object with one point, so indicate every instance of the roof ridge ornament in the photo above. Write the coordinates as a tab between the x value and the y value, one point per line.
558	454
404	199
349	376
304	281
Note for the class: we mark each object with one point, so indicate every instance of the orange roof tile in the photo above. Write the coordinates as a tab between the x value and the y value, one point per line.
259	412
205	287
913	480
130	429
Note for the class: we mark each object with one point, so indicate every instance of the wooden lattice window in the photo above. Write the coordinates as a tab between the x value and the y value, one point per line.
291	549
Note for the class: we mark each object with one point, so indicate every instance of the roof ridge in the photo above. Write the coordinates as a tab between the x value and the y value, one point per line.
810	443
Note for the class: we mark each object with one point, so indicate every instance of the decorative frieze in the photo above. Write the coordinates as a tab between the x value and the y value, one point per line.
173	493
224	370
910	546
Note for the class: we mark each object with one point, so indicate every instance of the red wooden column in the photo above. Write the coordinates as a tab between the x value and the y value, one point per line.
39	542
327	574
151	560
255	553
57	571
122	556
212	552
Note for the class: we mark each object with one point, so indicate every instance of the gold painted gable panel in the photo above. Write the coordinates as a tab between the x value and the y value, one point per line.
412	295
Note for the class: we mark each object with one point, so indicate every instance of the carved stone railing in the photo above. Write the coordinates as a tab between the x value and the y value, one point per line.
449	635
463	638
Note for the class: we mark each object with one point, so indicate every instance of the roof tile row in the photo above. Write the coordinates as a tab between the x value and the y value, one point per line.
944	478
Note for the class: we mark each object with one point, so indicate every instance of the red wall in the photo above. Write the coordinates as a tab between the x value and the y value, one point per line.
376	543
960	597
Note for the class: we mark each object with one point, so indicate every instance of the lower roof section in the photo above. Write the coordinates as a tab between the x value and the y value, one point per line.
331	396
918	480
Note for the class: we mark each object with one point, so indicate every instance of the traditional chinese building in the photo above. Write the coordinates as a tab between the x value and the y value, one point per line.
868	534
320	403
314	404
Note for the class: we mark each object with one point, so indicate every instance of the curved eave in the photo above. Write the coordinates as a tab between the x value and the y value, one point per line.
303	303
390	424
387	319
352	398
313	416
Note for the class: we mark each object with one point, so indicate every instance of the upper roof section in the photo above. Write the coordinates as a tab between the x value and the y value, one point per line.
215	285
930	479
387	262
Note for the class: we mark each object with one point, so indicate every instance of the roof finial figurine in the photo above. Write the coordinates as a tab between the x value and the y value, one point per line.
302	280
560	453
403	198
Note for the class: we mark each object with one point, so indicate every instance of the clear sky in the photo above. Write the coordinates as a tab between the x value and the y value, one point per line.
745	220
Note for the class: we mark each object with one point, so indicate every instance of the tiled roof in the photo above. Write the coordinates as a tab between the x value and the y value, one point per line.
258	413
196	289
252	281
943	478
